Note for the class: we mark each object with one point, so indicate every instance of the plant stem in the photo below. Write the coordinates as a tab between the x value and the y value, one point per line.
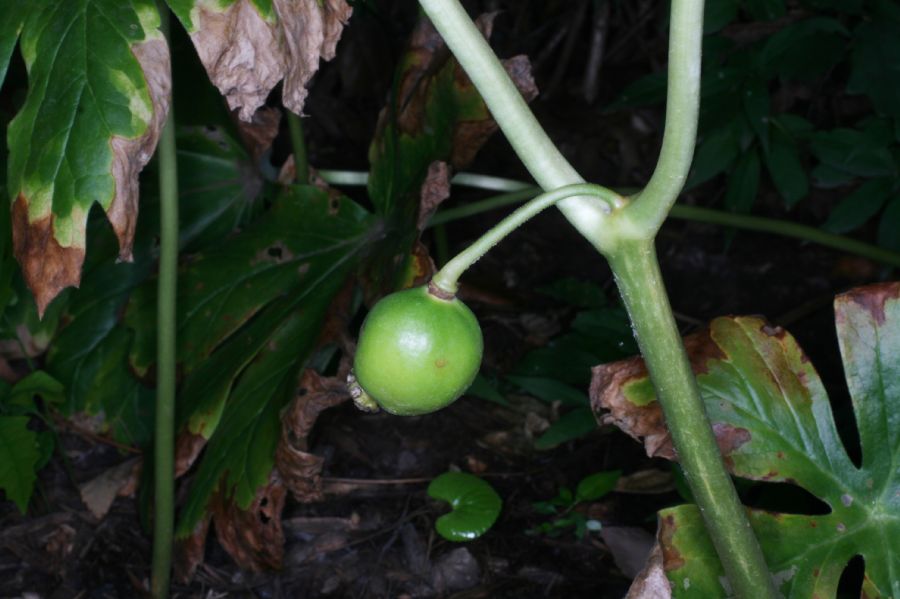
163	458
639	280
519	191
446	278
787	229
298	143
651	206
530	142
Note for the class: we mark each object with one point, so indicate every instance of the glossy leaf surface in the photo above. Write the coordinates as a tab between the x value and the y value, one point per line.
474	502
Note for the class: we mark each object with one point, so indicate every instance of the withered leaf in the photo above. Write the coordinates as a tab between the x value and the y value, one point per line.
254	537
300	470
248	48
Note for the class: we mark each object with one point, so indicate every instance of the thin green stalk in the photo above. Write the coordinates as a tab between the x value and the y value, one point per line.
298	144
164	463
530	142
519	191
446	278
787	229
651	206
643	293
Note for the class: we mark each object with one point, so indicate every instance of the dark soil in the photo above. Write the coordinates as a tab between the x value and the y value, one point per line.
373	536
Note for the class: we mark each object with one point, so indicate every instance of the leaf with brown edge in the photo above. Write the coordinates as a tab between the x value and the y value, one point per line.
254	537
300	470
772	419
190	550
248	46
89	124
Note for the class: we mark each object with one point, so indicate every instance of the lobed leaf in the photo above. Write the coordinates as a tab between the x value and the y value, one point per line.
773	422
98	96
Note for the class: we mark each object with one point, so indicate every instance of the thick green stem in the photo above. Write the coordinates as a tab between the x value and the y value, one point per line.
163	458
530	142
298	144
446	278
637	274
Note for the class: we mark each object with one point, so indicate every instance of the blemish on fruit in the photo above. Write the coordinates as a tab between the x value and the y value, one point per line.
440	362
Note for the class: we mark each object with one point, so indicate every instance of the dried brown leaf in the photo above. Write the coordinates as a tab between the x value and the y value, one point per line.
259	133
99	493
300	470
651	582
253	537
435	189
646	423
246	55
190	550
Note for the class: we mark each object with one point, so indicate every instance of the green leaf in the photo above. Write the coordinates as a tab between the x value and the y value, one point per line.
715	154
474	502
484	389
743	183
241	452
889	227
718	13
14	14
646	91
576	292
806	49
595	486
765	10
755	98
876	67
570	426
859	206
773	421
550	390
19	455
89	124
853	152
785	168
293	258
37	383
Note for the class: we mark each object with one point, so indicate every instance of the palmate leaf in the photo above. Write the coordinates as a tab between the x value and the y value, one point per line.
91	352
250	314
773	421
98	94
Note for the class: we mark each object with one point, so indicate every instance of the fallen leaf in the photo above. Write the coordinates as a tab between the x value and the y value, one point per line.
651	582
253	537
99	493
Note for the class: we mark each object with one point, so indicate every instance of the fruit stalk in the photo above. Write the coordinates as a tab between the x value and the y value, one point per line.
446	278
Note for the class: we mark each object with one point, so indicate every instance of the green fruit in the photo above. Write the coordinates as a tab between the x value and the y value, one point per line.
417	353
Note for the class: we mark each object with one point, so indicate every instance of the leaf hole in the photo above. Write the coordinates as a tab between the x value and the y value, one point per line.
850	584
275	252
785	498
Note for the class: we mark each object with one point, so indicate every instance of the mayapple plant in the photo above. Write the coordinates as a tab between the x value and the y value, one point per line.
623	230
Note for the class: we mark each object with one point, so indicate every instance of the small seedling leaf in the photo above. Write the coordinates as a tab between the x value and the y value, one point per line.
19	457
570	426
595	486
475	505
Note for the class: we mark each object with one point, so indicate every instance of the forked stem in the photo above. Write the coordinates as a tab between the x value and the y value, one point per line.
446	278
